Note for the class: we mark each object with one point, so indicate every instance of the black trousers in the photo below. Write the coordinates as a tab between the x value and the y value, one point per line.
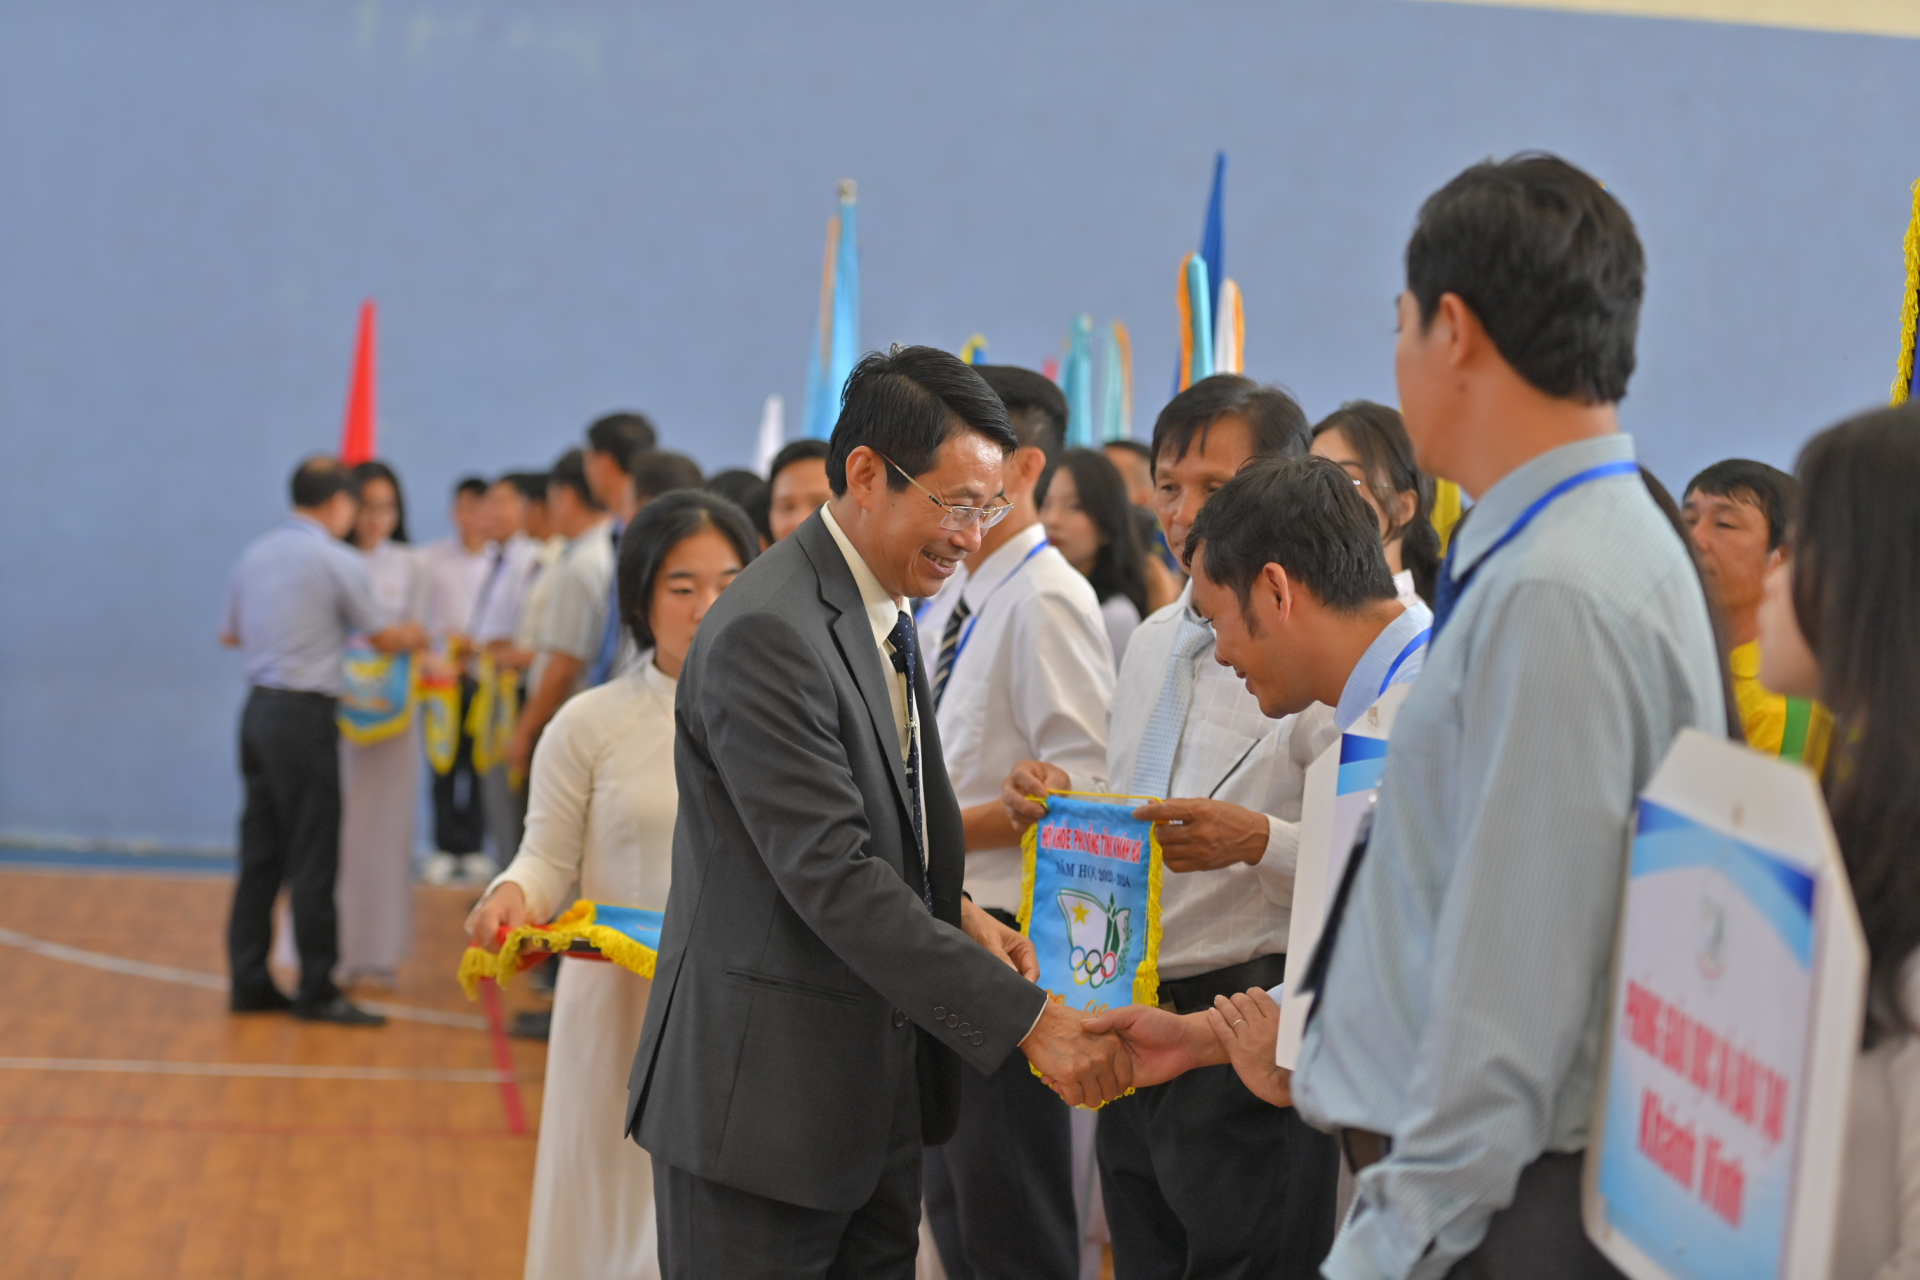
1000	1193
1540	1233
459	822
289	834
709	1230
1204	1181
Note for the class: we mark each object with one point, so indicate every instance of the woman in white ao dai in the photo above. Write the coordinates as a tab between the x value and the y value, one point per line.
600	813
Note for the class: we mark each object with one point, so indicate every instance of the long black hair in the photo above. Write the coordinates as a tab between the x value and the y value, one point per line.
1378	437
377	470
1855	543
662	525
1120	568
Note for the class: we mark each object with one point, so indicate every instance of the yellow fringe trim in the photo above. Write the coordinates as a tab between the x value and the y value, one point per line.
1910	305
575	924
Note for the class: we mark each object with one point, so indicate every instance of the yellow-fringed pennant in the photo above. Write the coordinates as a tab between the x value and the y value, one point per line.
626	936
1090	900
493	713
439	695
380	695
1909	306
1446	510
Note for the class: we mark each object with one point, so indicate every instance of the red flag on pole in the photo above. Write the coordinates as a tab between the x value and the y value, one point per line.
357	439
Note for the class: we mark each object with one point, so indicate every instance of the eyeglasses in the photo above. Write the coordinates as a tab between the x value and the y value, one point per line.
958	519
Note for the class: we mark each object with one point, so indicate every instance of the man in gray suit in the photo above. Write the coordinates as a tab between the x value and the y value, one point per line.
821	978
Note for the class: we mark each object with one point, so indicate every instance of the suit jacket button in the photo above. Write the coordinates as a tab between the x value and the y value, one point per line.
979	1037
953	1019
965	1029
940	1013
899	1017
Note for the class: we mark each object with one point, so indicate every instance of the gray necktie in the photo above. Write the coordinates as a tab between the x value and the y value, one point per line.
1153	767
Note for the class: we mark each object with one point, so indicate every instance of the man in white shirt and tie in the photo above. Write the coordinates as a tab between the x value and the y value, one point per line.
1200	1177
1021	668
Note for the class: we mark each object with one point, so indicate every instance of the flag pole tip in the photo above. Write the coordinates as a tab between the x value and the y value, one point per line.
848	190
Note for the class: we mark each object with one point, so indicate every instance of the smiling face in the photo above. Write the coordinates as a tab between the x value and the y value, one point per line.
899	531
1068	525
1254	639
692	576
1182	485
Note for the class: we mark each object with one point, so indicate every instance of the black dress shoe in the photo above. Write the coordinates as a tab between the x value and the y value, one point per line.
338	1010
531	1024
268	1001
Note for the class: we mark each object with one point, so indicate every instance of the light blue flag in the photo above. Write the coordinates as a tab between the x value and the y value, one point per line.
1213	238
836	347
1076	379
1200	306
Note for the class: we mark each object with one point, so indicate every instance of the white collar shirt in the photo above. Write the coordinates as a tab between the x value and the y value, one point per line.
1032	681
1228	751
1396	656
455	575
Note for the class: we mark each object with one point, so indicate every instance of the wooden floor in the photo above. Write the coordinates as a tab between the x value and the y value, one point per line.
147	1133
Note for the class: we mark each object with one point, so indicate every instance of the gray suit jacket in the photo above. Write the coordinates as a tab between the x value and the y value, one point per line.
801	983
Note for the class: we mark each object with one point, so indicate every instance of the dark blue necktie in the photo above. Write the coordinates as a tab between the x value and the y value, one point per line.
906	661
1446	592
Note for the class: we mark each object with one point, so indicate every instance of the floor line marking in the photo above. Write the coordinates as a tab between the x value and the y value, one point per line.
213	981
271	1070
243	1129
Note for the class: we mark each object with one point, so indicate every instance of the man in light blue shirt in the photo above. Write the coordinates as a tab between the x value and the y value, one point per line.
1455	1040
296	596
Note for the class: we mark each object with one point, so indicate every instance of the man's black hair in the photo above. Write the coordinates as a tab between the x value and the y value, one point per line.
1756	484
1278	424
1037	411
1130	446
531	484
904	404
470	486
655	471
748	492
621	436
1302	514
796	451
661	526
316	480
1549	263
570	472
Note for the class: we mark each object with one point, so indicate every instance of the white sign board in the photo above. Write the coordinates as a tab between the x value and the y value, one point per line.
1340	788
1736	999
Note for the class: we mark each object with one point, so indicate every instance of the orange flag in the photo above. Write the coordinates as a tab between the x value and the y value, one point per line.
357	439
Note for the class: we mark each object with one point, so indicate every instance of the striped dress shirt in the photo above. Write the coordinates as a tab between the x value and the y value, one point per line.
1463	1008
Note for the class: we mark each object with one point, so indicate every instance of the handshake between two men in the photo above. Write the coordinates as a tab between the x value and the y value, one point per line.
1092	1058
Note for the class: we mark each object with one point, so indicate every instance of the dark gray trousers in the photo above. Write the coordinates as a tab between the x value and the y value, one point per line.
289	834
1204	1181
710	1230
1000	1192
1540	1233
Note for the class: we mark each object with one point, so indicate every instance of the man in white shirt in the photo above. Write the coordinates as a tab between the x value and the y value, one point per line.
518	559
457	572
573	605
1021	668
1200	1177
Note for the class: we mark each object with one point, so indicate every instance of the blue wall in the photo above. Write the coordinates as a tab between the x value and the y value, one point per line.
572	206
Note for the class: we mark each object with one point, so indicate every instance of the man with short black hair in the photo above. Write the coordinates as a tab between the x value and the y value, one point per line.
1737	511
652	472
1021	668
822	981
613	442
658	471
1135	463
1456	1036
1200	1177
798	486
458	569
296	596
573	605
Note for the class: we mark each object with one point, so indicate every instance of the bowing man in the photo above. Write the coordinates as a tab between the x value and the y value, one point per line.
822	982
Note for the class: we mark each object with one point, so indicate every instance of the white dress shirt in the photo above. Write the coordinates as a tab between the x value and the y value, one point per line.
601	799
1032	681
1403	586
503	597
1228	751
454	578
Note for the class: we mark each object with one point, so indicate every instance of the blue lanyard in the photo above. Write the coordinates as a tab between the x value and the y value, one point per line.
1413	646
1450	588
974	621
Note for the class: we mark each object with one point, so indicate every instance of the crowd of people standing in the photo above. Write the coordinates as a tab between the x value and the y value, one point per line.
821	774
